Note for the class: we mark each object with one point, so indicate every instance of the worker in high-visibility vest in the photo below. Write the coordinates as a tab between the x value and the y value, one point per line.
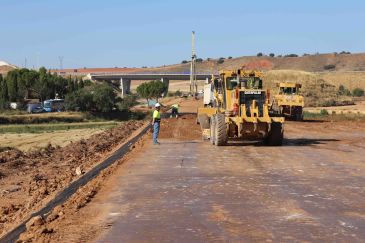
174	110
156	119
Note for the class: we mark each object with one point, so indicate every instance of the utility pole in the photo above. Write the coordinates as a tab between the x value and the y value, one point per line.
60	58
193	84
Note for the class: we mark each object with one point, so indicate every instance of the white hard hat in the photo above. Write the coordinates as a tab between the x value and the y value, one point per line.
157	105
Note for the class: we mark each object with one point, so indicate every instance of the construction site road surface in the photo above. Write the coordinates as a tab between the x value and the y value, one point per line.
312	189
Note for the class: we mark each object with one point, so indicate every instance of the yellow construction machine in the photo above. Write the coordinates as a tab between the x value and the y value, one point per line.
288	103
237	108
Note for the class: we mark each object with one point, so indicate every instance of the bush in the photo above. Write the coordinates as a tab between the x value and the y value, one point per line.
229	57
184	62
178	93
104	98
329	67
324	112
272	55
127	102
101	98
357	92
199	60
220	60
345	52
291	55
259	54
342	90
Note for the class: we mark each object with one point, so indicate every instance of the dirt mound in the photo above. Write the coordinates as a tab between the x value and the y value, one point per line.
30	180
184	127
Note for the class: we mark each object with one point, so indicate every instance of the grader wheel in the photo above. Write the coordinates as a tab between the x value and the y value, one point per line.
220	130
276	135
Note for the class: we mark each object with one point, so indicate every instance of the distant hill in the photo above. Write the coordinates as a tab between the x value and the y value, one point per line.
6	67
309	63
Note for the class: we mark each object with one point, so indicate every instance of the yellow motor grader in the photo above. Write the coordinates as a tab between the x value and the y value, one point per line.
236	108
288	103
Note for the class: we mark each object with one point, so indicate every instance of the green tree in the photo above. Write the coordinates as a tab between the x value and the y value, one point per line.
152	89
81	83
80	100
12	84
104	97
156	89
142	91
4	99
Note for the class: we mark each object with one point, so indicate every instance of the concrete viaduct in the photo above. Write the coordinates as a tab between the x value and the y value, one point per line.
126	78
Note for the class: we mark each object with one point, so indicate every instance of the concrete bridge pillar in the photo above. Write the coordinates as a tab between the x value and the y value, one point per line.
125	86
167	82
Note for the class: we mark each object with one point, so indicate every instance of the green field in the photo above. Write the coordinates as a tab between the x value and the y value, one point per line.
39	128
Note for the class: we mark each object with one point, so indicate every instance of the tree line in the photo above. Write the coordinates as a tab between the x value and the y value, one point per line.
21	84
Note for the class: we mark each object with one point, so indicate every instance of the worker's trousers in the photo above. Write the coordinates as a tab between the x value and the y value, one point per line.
156	131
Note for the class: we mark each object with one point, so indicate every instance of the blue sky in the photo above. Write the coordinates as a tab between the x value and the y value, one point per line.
136	33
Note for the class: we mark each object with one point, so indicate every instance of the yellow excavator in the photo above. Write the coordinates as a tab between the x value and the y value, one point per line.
236	107
288	103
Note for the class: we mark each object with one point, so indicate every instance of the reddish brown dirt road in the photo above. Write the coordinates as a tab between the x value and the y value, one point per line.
186	190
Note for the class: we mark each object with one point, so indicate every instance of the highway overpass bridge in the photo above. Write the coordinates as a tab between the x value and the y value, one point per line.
126	78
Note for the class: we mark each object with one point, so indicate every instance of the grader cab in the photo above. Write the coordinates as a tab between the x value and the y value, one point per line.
236	108
288	103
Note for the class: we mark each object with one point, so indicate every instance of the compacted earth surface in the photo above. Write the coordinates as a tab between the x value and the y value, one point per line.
311	189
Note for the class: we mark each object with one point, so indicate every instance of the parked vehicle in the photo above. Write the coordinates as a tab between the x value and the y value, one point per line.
54	105
35	108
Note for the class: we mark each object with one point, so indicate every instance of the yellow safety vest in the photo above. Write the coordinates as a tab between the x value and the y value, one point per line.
156	115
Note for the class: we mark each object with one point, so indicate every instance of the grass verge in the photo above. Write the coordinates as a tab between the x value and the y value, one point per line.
326	115
39	128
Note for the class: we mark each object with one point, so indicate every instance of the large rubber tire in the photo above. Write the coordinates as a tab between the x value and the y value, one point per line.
212	130
204	121
220	130
276	135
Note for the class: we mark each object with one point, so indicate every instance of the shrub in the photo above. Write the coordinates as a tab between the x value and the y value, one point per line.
184	62
229	57
199	60
272	55
329	67
259	54
357	92
220	60
291	55
324	112
101	98
178	93
127	102
342	90
305	55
